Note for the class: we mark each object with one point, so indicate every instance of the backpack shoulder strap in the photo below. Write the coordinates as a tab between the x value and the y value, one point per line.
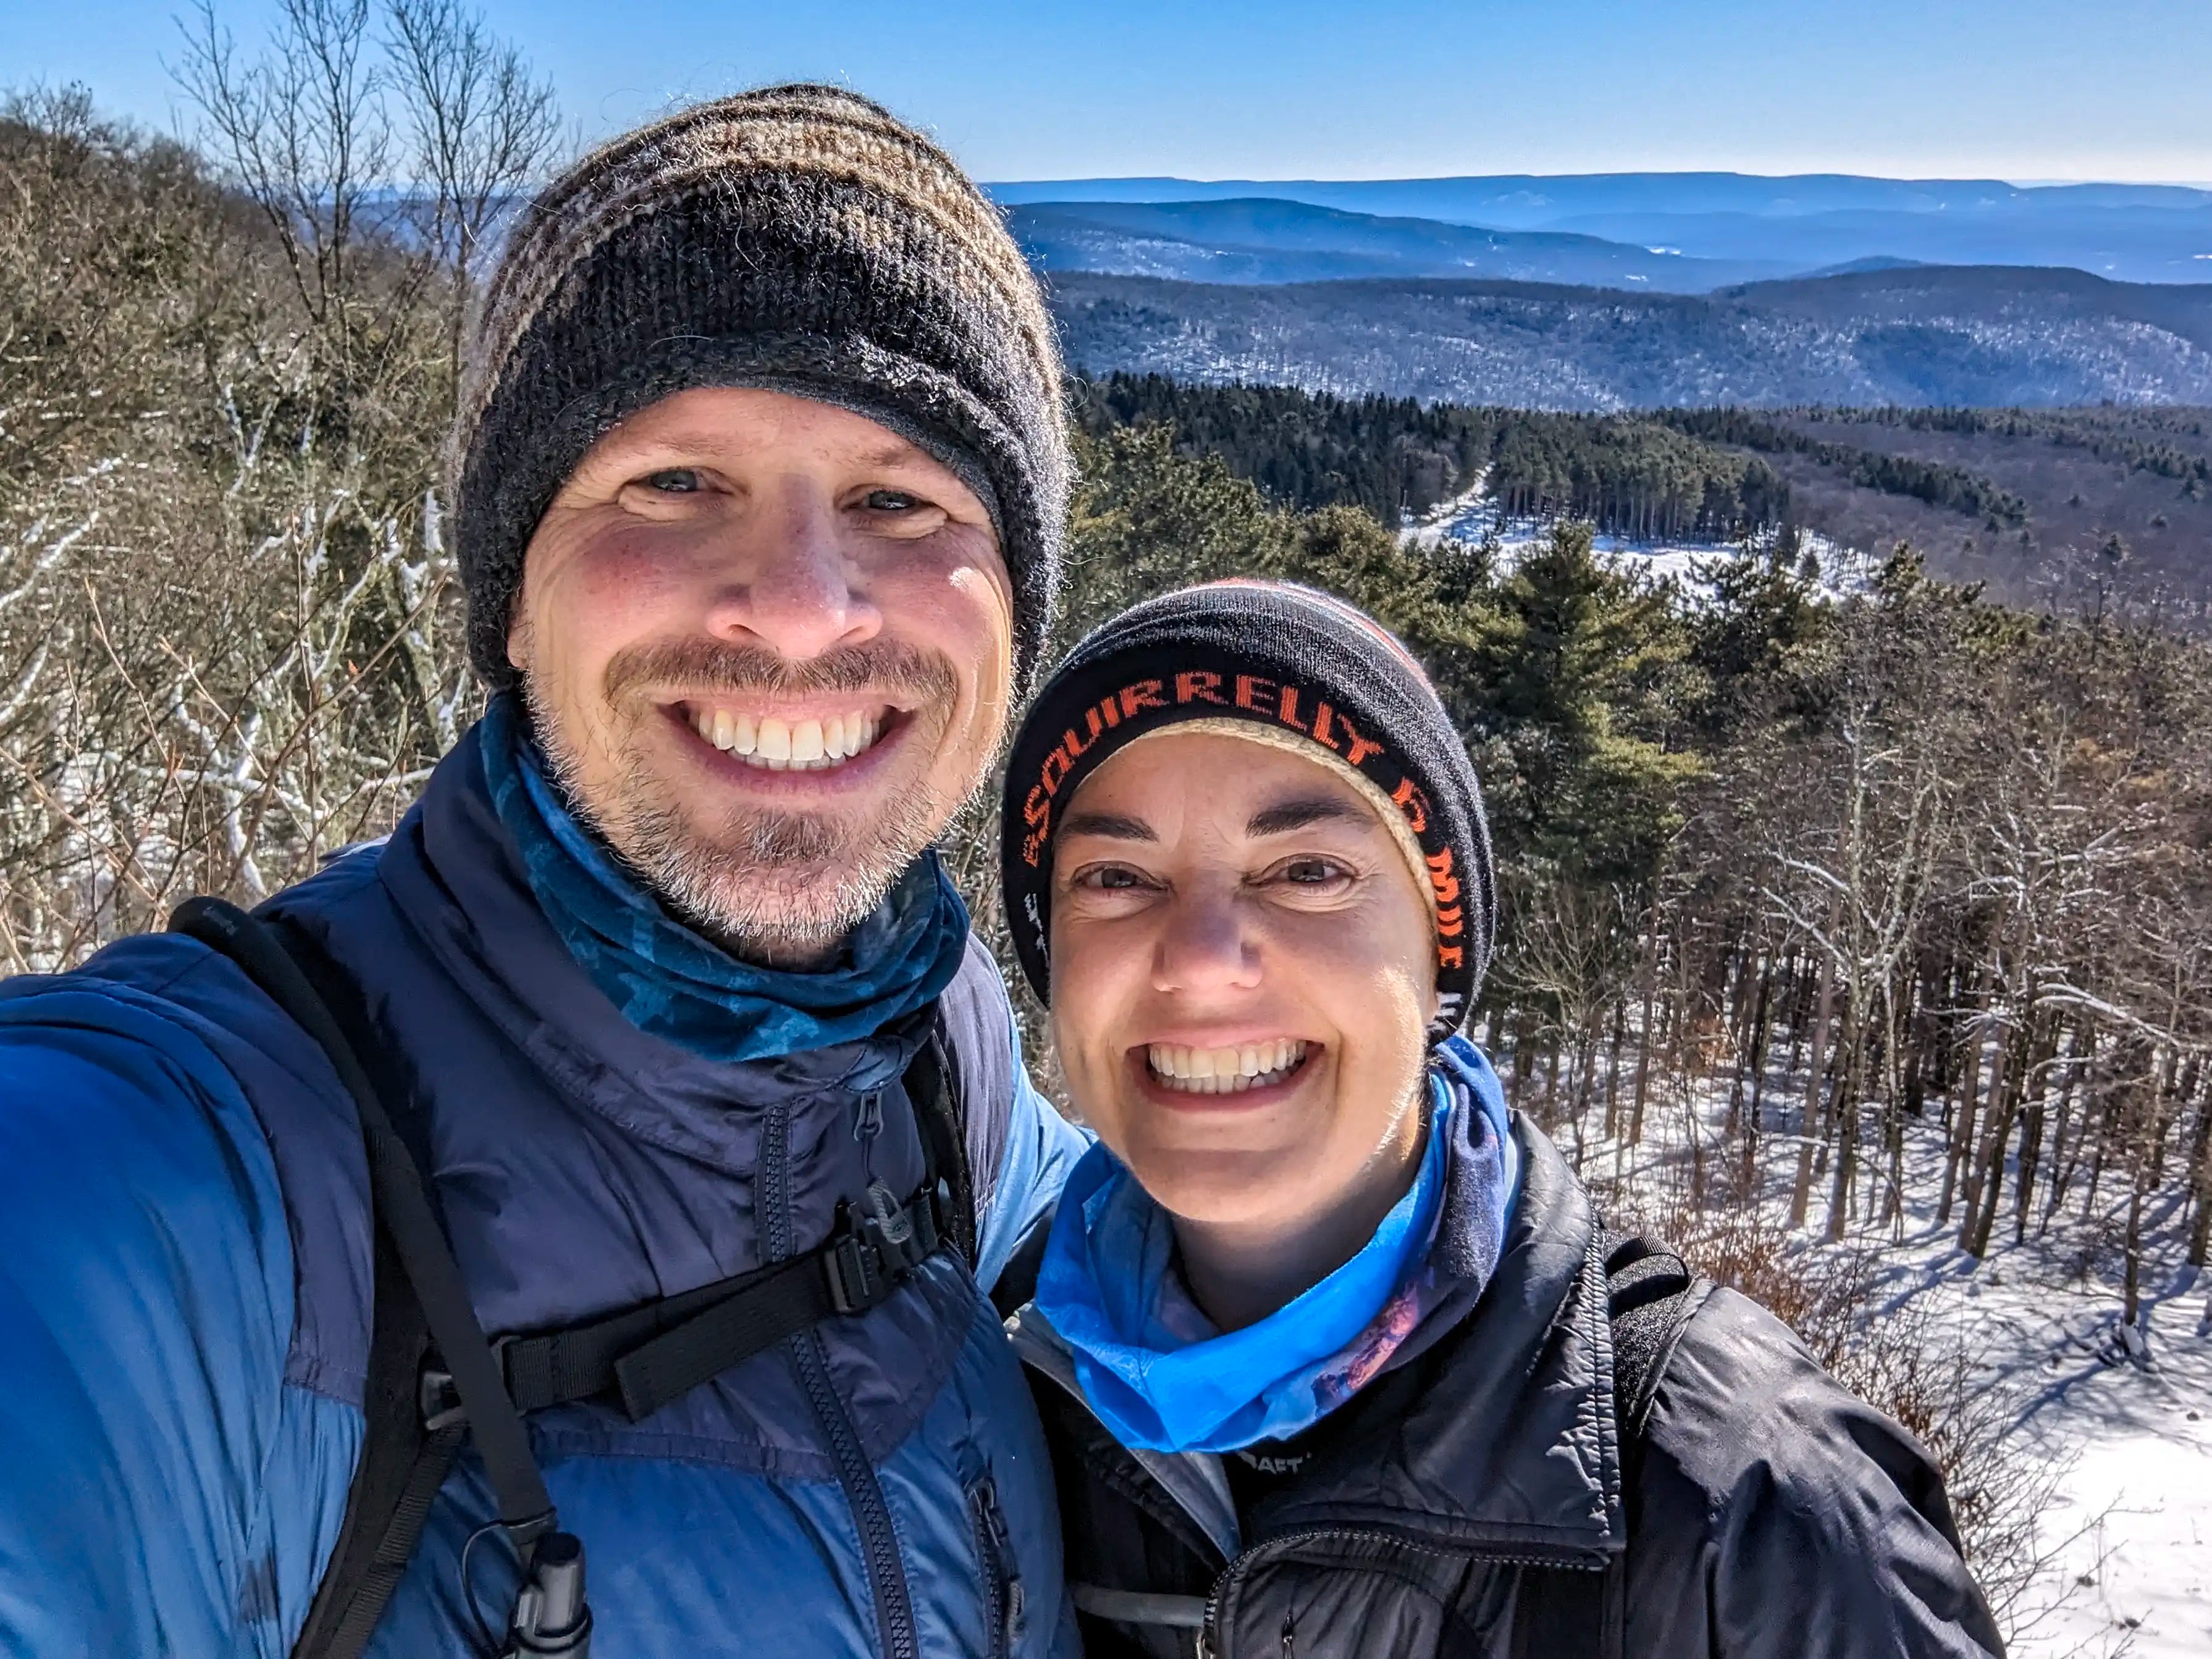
940	1116
421	1307
1649	1299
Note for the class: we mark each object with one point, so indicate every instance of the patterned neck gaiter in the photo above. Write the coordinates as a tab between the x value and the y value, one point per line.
674	983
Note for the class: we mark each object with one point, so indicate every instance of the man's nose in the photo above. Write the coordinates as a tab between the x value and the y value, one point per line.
1205	946
792	586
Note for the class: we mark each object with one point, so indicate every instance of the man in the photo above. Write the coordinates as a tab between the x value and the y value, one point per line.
761	477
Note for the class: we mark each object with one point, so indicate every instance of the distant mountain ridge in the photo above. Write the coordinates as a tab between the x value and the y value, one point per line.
1915	337
1795	224
1265	240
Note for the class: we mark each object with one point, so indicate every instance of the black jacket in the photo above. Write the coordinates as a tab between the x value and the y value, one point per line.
1469	1501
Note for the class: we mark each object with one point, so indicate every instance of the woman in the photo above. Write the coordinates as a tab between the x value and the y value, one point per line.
1323	1335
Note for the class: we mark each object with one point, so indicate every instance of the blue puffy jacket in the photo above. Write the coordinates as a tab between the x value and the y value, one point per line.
185	1294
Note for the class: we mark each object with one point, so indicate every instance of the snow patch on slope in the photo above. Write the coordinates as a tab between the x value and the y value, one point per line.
1474	518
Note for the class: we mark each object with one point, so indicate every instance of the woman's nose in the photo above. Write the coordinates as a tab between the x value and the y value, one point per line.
792	586
1205	946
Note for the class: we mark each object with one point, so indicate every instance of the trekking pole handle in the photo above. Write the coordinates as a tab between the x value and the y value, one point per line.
552	1617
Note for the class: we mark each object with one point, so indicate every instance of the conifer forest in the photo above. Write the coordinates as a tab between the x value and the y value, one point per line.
1836	914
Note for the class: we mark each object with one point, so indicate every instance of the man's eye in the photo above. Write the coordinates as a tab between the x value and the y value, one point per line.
891	501
673	480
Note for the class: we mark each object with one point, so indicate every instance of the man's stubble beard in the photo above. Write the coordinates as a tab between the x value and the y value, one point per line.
783	889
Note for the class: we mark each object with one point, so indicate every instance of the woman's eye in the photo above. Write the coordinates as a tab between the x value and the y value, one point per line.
1310	872
891	501
673	480
1109	878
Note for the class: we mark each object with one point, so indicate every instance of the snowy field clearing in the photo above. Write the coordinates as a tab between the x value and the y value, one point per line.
2120	1426
1473	518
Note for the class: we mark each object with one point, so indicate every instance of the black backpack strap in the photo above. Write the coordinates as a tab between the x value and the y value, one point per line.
650	1354
399	1475
939	1116
1649	1300
972	1013
402	1465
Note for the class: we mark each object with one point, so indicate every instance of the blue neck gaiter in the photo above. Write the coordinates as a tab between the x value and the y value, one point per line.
1161	1377
674	983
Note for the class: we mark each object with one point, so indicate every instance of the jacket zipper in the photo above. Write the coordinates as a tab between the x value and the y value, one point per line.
1209	1642
1003	1597
871	1516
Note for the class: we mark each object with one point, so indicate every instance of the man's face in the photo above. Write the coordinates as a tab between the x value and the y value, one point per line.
768	648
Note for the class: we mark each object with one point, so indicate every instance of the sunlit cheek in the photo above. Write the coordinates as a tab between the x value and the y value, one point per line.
628	583
985	610
1091	1023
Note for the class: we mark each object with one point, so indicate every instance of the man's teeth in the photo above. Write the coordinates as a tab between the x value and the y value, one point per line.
1225	1071
781	745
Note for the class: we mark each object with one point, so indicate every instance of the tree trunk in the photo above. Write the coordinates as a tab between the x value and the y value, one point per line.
1962	1123
1800	1195
1647	1036
1751	1126
1850	1077
2031	1144
1986	1176
1613	1070
2200	1183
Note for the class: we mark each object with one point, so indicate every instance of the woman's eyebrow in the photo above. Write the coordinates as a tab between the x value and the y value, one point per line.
1112	825
1285	816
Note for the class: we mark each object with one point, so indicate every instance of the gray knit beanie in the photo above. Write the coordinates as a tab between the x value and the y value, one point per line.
798	240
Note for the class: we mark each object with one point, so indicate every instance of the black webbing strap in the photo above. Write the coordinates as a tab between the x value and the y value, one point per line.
402	1465
650	1354
944	1138
1648	1302
417	1248
1563	1614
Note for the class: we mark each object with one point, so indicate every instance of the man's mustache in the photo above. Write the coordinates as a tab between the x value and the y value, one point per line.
904	673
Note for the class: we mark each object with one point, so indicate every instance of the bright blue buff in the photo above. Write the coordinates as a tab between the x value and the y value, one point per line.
670	979
1163	1377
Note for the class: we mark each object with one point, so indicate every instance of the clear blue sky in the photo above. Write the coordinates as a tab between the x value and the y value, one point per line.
2020	90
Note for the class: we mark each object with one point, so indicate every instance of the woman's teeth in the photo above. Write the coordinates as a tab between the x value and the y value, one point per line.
1225	1071
781	745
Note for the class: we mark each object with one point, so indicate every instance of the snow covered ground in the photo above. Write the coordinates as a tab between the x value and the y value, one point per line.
2124	1420
2126	1426
2123	1425
1472	518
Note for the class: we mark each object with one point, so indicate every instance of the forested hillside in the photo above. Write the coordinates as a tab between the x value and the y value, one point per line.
1261	239
2067	508
1987	336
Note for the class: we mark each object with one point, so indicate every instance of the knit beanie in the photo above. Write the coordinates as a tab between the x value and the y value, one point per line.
1286	665
796	240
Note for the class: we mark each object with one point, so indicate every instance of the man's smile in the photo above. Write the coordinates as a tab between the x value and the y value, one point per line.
790	741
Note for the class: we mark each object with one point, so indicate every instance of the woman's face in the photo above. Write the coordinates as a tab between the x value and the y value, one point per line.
1242	975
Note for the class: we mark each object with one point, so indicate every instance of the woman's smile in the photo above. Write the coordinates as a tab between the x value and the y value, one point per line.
1249	1073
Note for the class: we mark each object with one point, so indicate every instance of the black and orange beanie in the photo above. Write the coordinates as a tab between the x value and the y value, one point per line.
1301	668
